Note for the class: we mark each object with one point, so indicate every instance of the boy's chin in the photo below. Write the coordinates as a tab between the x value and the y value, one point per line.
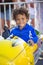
21	27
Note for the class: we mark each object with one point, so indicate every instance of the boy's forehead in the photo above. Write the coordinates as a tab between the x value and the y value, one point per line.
20	15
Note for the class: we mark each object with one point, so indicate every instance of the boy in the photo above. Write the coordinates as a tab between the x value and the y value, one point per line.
23	30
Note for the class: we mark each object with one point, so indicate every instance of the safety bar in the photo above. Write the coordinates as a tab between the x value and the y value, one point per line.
20	2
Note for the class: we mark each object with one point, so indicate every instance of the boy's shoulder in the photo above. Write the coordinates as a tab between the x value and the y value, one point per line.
30	26
14	29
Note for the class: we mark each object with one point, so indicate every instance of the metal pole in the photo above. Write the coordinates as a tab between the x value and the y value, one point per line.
10	17
35	13
0	22
5	13
21	2
39	17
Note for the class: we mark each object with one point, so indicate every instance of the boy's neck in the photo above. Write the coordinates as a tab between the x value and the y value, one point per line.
21	28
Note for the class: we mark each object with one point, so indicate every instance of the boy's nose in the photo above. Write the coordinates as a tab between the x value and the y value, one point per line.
21	20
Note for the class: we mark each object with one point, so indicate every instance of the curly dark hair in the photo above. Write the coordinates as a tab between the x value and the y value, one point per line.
21	11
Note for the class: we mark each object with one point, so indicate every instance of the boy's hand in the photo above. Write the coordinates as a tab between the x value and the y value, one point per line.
31	42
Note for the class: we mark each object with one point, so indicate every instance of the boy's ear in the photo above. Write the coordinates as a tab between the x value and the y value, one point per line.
27	20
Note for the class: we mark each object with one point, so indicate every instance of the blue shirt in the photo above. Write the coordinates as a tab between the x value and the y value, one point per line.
26	33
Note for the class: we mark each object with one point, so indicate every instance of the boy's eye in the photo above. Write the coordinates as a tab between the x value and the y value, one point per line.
17	19
22	18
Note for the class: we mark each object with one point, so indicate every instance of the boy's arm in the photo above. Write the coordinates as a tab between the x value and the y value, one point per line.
34	36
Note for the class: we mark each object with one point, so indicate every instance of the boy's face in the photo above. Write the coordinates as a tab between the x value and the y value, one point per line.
21	20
